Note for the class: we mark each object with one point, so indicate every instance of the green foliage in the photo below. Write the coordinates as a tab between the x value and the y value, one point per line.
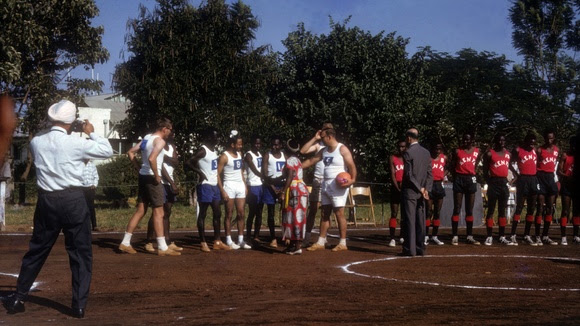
364	84
197	67
41	41
118	180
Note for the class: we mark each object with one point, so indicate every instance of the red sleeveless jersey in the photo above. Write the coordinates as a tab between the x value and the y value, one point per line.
568	165
527	161
499	165
547	160
399	167
438	167
466	162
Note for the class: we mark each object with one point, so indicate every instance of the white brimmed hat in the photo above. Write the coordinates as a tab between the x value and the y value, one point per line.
64	111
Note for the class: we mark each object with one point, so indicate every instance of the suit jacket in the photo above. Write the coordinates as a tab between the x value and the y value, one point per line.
418	172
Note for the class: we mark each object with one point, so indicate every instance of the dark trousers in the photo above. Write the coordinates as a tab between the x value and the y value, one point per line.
55	211
90	197
414	222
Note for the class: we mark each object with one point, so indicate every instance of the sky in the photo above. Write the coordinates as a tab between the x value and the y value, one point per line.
445	25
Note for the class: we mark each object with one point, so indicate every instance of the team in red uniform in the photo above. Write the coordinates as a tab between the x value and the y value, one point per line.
396	167
565	170
496	163
547	160
436	195
465	161
527	187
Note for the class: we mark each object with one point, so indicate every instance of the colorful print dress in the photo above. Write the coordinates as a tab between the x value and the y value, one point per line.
295	203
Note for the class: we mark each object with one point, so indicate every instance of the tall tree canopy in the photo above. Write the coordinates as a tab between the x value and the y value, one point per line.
40	42
365	84
197	67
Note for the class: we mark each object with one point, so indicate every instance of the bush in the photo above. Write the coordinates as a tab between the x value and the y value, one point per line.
118	180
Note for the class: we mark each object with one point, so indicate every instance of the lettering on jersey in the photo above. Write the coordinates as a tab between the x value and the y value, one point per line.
237	164
214	164
399	167
259	161
469	159
499	163
143	145
280	166
437	166
549	160
528	157
327	160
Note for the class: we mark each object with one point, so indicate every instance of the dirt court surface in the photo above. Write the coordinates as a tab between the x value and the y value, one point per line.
463	284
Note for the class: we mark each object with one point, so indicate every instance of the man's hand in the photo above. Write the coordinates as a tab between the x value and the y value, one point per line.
425	193
157	180
88	127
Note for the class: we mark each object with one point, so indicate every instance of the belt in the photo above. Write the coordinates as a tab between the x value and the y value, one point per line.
71	189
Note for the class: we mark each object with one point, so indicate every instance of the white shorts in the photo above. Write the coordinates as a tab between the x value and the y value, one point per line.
333	194
235	189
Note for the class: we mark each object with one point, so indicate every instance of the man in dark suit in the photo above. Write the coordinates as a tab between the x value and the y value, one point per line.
417	182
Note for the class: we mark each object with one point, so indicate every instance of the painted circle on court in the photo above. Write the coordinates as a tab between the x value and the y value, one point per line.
347	269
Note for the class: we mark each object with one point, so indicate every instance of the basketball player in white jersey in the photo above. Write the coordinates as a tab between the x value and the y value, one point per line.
253	160
337	158
233	188
272	168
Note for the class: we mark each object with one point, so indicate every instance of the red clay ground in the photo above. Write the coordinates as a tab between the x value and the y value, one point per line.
266	287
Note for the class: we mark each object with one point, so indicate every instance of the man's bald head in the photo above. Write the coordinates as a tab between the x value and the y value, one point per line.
412	133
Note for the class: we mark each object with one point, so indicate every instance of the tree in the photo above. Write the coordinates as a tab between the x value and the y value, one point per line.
197	67
364	84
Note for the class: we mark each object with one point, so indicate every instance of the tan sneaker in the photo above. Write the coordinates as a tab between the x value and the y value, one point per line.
339	247
315	246
204	247
274	243
218	245
168	252
174	247
149	247
128	249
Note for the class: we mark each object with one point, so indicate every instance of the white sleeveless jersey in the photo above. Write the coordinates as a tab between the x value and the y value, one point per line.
208	165
276	165
233	168
319	167
333	162
146	148
168	167
253	179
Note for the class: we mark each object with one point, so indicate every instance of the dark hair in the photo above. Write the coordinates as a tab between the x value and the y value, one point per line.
234	136
330	132
276	137
497	137
529	136
411	134
208	133
254	137
164	123
549	131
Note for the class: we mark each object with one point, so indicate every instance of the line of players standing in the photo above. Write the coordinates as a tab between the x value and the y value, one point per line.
533	169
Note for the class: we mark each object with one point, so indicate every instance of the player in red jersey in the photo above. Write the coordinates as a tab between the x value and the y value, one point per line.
396	166
465	161
496	163
565	170
436	195
527	186
547	161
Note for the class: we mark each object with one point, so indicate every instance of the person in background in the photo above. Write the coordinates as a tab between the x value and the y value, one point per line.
90	183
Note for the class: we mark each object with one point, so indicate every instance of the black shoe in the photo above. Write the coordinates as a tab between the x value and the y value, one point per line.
13	305
78	313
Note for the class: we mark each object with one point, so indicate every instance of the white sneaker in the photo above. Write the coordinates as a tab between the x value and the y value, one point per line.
576	239
294	252
437	241
514	240
539	241
504	241
244	245
488	241
392	243
455	241
426	240
564	241
233	246
402	240
471	240
528	240
549	241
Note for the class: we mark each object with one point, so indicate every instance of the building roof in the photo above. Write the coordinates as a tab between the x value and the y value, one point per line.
117	103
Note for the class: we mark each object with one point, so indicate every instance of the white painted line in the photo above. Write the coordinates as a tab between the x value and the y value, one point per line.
34	285
346	269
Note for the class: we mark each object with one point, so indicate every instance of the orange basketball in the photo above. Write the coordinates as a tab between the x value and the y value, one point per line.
343	178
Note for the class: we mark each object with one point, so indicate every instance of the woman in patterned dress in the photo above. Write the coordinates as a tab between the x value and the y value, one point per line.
295	201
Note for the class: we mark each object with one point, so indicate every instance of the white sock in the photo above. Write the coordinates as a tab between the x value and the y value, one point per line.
240	239
229	240
321	241
342	241
161	244
127	239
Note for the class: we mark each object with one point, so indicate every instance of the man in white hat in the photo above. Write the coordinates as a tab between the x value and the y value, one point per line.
59	159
